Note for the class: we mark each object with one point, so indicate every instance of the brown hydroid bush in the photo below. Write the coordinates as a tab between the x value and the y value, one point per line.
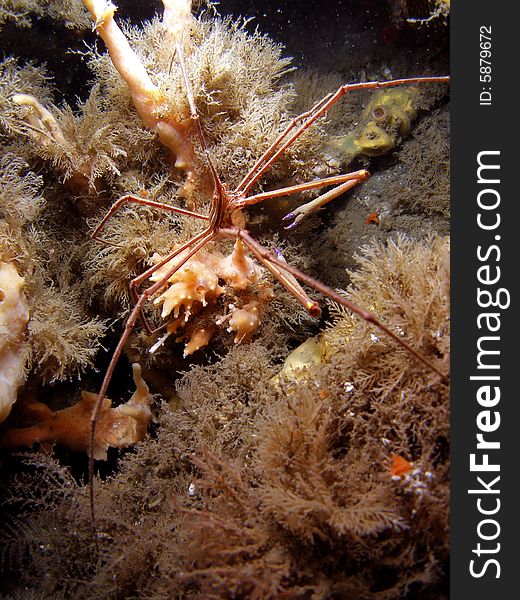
62	336
256	489
406	284
321	473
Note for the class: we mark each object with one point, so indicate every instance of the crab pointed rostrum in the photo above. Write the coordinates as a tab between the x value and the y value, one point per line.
224	217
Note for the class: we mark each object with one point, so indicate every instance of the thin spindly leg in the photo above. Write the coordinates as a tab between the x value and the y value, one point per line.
129	326
144	202
303	121
304	210
266	160
283	276
300	187
346	182
279	267
195	115
150	271
339	299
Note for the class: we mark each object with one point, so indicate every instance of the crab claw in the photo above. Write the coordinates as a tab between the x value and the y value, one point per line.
296	215
290	216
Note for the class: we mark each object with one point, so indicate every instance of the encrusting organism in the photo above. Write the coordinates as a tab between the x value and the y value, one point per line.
82	148
400	466
14	314
200	281
277	489
71	13
118	427
62	336
386	119
421	13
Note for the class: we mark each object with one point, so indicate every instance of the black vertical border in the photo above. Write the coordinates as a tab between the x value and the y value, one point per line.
476	128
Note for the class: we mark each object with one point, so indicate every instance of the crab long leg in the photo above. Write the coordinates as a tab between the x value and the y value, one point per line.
129	326
143	201
303	121
284	277
268	157
220	199
194	114
274	264
304	210
301	187
346	181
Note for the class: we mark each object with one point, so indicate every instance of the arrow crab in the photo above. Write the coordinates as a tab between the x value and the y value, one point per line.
190	276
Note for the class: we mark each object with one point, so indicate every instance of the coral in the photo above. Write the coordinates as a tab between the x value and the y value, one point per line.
236	105
421	13
291	488
148	99
14	315
313	494
408	284
13	79
63	339
241	558
20	200
118	427
223	399
196	281
326	454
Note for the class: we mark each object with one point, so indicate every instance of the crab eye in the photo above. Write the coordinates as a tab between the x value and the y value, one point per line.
378	112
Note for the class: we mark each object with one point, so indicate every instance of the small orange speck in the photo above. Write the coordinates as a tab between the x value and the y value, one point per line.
400	466
143	193
373	217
